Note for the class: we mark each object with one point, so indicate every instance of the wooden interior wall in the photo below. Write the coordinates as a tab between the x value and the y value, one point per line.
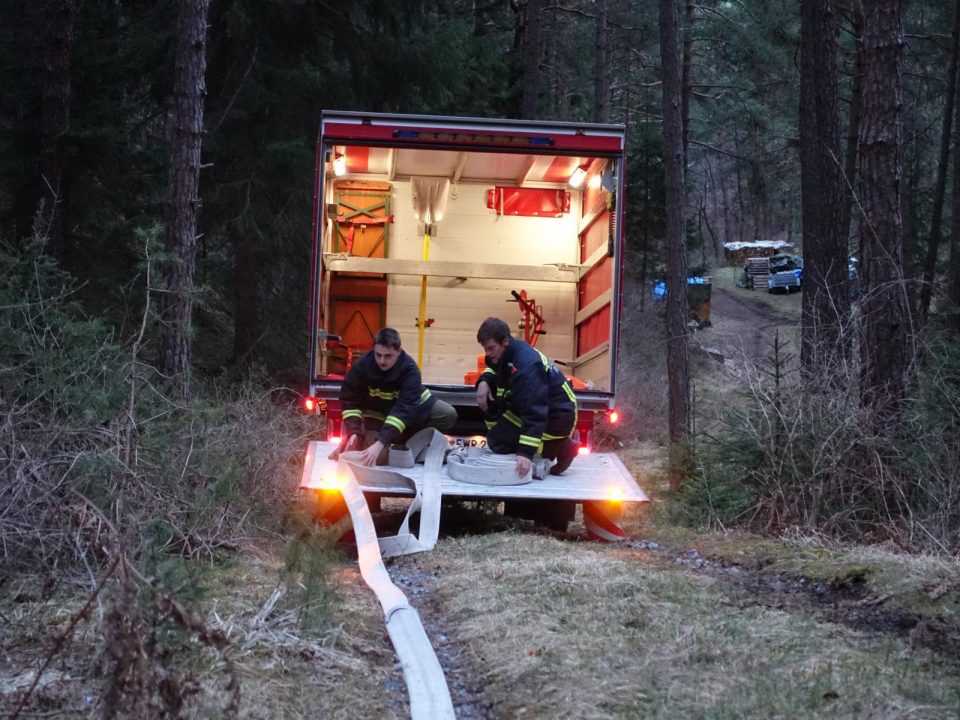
357	300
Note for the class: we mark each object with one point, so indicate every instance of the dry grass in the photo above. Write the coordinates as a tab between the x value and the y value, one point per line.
344	668
547	628
556	629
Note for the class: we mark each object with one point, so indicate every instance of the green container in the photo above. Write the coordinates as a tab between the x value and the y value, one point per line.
698	294
698	301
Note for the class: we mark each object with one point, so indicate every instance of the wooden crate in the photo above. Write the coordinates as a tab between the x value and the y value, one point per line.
757	269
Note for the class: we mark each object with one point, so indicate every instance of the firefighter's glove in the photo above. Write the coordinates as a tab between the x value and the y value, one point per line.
350	442
485	398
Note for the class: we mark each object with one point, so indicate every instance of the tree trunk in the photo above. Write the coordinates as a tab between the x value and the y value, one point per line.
885	334
826	302
740	192
532	73
601	79
939	189
725	195
55	121
176	301
853	116
678	377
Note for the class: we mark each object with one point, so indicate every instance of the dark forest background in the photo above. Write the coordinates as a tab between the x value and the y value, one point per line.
87	98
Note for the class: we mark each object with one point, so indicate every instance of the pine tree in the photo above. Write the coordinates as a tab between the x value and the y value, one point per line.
176	300
885	337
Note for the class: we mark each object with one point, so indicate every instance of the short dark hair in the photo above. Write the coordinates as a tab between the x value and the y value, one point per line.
493	328
387	337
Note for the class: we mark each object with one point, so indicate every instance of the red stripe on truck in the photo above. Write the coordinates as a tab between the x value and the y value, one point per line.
543	142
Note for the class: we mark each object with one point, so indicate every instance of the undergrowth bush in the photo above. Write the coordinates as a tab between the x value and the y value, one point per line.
104	478
95	457
806	454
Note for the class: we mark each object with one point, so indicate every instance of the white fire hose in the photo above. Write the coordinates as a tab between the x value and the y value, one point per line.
426	684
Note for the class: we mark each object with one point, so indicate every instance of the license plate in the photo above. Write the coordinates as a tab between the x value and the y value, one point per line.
467	441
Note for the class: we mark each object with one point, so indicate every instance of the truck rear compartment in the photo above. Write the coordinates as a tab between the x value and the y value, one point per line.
429	225
506	225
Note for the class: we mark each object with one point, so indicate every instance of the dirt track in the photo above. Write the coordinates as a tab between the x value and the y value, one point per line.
743	323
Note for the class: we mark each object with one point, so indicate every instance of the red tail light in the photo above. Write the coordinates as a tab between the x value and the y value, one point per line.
309	404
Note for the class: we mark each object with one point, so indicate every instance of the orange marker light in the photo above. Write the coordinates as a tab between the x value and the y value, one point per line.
332	481
615	494
309	404
614	417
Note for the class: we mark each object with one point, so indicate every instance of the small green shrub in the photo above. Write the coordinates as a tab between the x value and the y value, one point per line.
800	454
308	558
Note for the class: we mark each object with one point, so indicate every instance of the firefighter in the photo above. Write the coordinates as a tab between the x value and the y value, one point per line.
529	404
385	402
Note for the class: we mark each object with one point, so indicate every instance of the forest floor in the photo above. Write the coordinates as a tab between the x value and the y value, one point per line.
529	623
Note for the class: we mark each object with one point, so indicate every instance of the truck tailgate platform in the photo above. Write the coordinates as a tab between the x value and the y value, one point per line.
595	477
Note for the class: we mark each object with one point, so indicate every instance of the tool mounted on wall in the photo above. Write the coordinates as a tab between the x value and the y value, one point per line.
429	203
532	321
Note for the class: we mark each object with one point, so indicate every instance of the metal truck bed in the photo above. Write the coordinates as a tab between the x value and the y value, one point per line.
591	478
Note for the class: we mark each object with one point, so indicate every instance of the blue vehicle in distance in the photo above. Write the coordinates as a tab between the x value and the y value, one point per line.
786	273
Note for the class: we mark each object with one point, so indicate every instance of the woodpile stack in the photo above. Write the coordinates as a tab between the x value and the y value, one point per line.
735	254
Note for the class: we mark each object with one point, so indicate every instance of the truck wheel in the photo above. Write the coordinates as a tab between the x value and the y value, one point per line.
557	514
552	514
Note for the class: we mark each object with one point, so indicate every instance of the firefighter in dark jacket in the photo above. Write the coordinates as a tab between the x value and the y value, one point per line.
530	405
385	402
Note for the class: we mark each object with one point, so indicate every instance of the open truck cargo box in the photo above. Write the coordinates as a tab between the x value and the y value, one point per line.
511	224
431	224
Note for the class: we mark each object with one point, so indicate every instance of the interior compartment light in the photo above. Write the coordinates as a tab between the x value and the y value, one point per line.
579	175
339	164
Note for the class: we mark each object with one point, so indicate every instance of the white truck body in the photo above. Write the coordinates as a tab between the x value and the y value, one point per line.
508	221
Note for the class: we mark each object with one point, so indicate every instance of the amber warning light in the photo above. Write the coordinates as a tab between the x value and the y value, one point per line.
309	404
613	417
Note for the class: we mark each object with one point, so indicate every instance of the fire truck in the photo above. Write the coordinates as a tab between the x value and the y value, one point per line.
431	224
